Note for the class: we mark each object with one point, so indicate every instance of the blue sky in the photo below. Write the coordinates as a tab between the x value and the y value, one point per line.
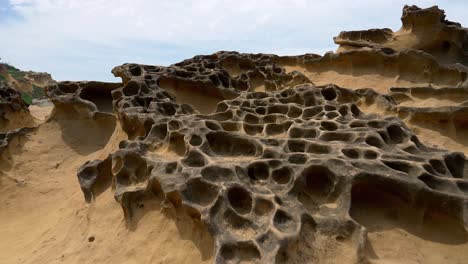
85	39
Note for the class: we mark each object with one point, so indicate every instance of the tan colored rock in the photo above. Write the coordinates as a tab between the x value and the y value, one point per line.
422	29
353	157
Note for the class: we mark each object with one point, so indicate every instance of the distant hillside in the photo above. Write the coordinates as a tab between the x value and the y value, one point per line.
30	84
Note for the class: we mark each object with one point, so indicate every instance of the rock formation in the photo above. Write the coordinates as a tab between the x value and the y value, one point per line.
422	29
14	112
82	100
276	159
24	81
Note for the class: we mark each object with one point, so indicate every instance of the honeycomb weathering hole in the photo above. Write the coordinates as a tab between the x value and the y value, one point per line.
329	93
194	159
201	96
69	87
240	252
135	70
196	140
351	153
330	126
100	94
131	88
456	164
240	200
225	144
217	173
263	206
396	133
258	171
284	222
303	248
438	183
177	144
282	175
200	192
319	181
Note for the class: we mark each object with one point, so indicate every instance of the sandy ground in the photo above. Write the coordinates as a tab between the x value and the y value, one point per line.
17	120
40	112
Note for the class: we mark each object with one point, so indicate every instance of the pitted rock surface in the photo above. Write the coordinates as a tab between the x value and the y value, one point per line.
82	99
268	171
278	164
356	156
10	102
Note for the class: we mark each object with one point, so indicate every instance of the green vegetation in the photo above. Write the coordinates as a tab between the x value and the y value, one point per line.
11	68
37	92
26	98
17	74
13	71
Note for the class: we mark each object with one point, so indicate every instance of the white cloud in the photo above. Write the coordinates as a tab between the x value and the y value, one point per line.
84	39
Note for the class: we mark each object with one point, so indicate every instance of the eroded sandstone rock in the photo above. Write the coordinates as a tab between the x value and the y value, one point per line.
12	109
81	99
277	161
422	29
271	172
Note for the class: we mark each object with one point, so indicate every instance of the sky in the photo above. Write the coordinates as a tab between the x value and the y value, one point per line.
84	39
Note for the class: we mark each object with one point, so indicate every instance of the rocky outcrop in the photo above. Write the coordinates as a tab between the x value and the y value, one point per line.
10	100
285	159
269	170
422	29
24	81
12	108
409	65
81	100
